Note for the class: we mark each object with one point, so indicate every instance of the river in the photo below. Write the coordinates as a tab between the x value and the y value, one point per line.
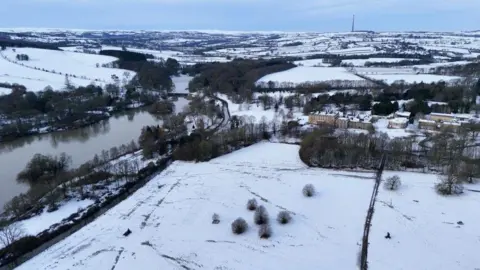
81	144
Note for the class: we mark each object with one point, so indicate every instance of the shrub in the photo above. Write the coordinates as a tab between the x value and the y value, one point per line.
261	216
392	183
215	218
252	204
265	231
239	226
308	190
449	188
284	217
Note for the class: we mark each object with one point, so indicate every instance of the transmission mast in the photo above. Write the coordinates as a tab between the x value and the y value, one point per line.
353	23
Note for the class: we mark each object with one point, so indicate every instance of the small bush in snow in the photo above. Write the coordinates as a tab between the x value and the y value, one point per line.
215	219
239	226
261	216
392	183
446	187
308	190
265	231
252	204
284	217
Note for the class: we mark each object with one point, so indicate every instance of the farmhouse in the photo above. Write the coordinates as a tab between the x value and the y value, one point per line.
357	122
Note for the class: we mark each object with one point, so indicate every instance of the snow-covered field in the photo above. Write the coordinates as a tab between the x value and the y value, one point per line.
311	63
424	229
83	66
170	220
411	78
5	91
37	224
299	75
34	80
255	112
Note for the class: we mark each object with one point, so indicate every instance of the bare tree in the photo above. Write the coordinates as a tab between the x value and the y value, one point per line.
10	234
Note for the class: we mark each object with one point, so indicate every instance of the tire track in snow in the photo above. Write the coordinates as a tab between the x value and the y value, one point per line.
117	258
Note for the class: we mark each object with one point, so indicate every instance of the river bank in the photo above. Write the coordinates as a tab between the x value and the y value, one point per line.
81	144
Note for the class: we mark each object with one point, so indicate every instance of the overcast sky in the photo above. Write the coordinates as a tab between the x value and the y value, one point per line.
266	15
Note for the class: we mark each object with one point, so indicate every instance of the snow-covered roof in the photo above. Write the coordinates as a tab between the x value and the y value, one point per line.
399	120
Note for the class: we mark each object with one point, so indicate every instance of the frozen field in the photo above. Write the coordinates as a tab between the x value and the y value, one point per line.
299	75
79	64
411	78
311	63
424	229
170	220
34	80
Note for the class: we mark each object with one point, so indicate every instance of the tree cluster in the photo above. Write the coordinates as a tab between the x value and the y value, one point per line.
29	111
237	77
22	57
321	148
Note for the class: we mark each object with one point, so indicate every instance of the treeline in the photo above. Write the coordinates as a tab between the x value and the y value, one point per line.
399	63
26	44
313	87
150	75
25	113
470	69
124	55
425	57
237	77
361	102
350	150
459	98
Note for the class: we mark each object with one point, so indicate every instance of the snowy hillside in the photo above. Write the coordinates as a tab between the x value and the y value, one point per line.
170	220
171	224
48	68
299	75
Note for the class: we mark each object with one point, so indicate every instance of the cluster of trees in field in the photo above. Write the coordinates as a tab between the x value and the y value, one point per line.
456	155
22	57
459	98
399	63
24	112
469	69
318	103
235	78
150	75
